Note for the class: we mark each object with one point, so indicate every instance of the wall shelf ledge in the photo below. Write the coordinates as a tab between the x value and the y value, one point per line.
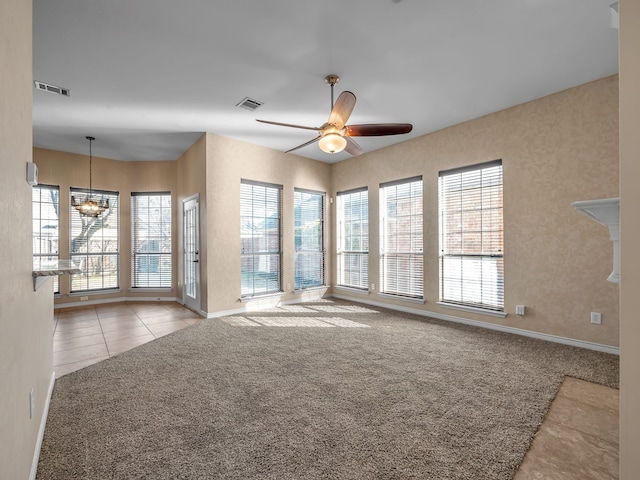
58	267
606	211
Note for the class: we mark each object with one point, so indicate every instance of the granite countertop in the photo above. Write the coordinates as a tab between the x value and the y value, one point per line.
53	268
59	267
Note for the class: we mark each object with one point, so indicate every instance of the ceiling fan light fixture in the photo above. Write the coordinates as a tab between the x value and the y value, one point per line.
332	143
332	136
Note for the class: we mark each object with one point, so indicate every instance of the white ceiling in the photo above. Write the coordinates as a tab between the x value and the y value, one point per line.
147	77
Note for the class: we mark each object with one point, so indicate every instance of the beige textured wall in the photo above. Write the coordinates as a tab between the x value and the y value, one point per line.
228	162
555	150
68	170
212	168
192	180
629	239
26	317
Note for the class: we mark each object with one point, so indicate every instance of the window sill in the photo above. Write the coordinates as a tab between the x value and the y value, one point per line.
150	290
261	297
402	298
310	289
362	291
94	292
480	311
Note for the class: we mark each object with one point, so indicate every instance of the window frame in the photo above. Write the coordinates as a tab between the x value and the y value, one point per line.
108	220
157	253
357	274
309	257
399	248
37	233
271	243
475	241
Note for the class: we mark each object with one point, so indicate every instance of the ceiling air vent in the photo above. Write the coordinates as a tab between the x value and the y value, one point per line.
46	87
249	104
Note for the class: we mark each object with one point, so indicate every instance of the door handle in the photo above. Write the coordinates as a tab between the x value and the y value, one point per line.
196	261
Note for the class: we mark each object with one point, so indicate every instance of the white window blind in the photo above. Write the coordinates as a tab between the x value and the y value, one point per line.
471	236
46	233
261	238
95	245
352	212
401	244
308	239
151	240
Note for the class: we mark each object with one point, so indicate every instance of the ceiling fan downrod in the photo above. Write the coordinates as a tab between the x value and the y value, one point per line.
332	80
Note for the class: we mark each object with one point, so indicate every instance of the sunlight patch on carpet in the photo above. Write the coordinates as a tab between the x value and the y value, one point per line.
324	322
295	308
239	322
343	322
328	308
290	322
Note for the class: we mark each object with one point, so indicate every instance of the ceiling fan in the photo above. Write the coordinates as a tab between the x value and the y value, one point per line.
335	135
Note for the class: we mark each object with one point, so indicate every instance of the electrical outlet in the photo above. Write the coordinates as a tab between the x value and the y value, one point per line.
288	286
519	309
84	299
32	404
596	318
373	286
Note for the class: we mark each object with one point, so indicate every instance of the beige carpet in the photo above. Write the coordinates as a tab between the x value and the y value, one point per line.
325	390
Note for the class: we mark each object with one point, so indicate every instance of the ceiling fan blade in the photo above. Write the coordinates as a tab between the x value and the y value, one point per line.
378	129
287	125
342	109
305	144
352	147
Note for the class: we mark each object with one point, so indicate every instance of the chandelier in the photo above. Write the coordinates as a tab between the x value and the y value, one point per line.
87	205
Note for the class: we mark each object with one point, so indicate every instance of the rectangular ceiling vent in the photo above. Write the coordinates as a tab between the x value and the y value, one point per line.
46	87
249	104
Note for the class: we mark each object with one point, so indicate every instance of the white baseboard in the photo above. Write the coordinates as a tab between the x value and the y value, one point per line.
117	300
43	424
491	326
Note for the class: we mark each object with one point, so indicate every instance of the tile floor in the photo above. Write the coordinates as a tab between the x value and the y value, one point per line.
577	440
88	334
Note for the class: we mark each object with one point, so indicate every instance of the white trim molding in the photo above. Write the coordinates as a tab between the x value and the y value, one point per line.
43	424
479	311
359	291
492	326
117	300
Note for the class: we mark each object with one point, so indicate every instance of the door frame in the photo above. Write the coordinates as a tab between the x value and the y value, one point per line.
189	258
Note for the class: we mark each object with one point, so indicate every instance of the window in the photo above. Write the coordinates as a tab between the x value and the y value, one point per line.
471	236
401	258
353	238
261	239
151	240
308	216
46	214
94	245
